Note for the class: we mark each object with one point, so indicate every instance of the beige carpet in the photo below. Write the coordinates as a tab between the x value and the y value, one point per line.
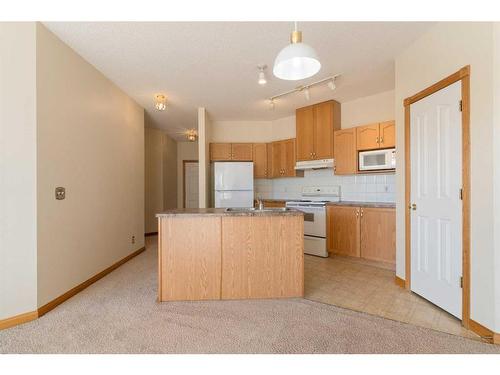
119	314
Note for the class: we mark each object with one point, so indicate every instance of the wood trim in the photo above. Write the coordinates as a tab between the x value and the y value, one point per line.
463	75
18	319
184	180
399	281
70	293
149	234
457	76
485	333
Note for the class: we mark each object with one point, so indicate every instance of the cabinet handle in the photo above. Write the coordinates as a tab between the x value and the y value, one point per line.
378	140
357	213
361	212
381	140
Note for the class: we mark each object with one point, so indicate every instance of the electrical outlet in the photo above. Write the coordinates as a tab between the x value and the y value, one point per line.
133	239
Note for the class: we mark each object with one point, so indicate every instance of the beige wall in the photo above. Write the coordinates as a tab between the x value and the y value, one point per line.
373	108
160	175
496	170
17	169
91	141
185	151
443	50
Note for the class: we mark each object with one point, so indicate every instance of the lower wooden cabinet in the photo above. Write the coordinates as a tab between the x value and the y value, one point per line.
378	234
365	232
343	234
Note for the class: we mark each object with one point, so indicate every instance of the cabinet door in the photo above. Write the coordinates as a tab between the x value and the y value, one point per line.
387	134
367	137
378	234
325	123
345	151
242	151
220	151
344	230
260	160
276	159
288	159
274	203
269	147
305	133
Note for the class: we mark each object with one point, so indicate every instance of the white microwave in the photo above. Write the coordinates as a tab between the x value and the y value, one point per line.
376	160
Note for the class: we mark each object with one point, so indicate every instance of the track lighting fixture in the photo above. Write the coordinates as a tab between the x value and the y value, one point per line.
262	74
306	93
330	81
331	84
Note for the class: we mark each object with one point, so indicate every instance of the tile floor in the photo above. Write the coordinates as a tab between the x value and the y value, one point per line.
369	287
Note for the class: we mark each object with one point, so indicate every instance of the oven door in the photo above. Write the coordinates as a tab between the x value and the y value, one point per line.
314	220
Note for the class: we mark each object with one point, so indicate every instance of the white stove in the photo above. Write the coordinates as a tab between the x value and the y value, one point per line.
313	204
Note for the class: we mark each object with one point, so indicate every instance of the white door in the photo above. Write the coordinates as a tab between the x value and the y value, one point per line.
436	180
191	184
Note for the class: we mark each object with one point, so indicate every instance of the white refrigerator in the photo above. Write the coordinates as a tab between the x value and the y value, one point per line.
233	184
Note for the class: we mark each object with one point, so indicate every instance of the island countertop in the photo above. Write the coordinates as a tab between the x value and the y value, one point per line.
223	212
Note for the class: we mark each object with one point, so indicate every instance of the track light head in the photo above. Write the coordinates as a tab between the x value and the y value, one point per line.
331	84
262	74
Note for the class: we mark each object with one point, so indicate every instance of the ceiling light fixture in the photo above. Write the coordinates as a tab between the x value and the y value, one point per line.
160	102
329	80
262	75
297	60
191	135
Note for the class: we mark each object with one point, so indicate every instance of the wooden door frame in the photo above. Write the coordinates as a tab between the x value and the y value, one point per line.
462	75
184	180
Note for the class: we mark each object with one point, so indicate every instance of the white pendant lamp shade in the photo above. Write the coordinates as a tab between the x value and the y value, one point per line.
297	60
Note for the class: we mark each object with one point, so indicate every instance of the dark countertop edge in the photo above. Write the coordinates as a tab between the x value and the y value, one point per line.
363	204
222	212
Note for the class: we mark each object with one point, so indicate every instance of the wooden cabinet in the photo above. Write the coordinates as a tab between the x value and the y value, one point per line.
260	160
344	230
231	151
283	159
378	234
346	161
304	128
274	203
378	135
242	151
220	151
314	130
387	134
367	137
365	232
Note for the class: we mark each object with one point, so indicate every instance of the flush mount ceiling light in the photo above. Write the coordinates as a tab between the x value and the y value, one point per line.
262	74
160	102
297	60
191	135
330	81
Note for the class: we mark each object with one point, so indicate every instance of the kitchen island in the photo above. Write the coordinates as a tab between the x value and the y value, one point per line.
211	254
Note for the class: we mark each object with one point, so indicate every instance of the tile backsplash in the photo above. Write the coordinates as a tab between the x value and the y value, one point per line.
366	188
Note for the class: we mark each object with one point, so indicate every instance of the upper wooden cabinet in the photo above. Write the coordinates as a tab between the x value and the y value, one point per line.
231	151
387	134
260	160
314	130
283	159
377	135
345	151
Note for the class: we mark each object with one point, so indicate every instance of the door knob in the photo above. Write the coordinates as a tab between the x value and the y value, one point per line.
412	206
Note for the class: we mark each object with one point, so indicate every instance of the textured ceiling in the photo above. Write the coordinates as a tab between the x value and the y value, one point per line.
213	64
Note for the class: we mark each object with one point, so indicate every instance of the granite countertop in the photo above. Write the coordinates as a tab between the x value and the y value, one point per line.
363	204
223	212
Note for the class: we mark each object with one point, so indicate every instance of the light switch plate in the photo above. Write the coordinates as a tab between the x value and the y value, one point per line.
60	193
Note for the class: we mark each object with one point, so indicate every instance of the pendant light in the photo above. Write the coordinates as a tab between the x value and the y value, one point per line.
297	60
